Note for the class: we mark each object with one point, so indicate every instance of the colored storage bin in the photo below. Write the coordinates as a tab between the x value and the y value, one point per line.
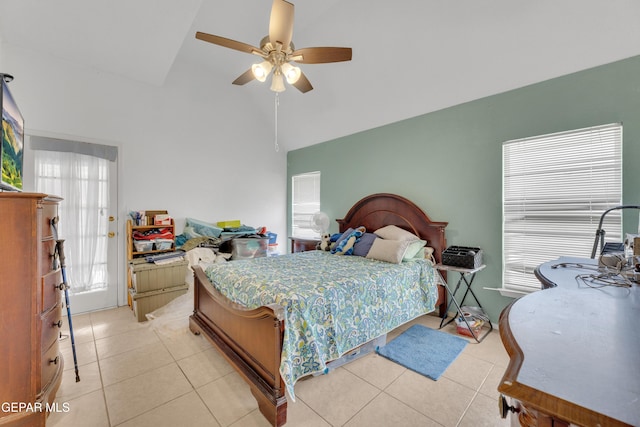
229	224
273	237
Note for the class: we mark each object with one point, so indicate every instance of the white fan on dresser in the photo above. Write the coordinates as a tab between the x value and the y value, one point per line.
320	223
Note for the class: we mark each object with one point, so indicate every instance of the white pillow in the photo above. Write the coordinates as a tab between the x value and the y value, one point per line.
413	248
420	255
392	232
388	250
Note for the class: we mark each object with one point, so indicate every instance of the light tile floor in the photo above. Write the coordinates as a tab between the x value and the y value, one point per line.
133	374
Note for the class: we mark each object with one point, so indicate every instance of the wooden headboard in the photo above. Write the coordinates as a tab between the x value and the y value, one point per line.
377	210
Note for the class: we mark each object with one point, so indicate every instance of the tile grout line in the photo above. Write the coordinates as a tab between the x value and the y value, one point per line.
163	366
104	396
476	393
193	388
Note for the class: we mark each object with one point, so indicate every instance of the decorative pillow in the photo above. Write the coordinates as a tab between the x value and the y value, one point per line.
413	248
362	246
392	232
388	250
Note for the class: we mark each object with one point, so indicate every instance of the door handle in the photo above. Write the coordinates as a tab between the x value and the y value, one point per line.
111	234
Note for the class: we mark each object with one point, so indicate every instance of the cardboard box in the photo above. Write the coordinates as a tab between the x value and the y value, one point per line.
147	276
146	302
162	219
150	215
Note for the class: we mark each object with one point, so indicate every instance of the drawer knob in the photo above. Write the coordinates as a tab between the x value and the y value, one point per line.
54	361
58	324
504	407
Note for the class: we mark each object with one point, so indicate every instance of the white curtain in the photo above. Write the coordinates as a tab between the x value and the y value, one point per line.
82	180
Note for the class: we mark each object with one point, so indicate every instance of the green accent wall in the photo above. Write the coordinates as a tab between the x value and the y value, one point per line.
449	162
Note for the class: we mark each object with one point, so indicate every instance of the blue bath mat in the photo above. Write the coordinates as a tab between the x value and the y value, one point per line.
424	350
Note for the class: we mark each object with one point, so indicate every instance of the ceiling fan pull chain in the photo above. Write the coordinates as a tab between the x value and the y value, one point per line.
277	102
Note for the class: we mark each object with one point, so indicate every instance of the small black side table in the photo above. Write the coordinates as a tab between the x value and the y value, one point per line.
465	273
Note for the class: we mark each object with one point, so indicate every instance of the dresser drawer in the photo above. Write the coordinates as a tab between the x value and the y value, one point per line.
48	247
50	290
51	362
51	324
49	211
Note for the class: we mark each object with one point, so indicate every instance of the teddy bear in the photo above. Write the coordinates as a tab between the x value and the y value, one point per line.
325	242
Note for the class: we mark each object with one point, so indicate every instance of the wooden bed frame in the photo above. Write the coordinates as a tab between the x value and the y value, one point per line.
251	340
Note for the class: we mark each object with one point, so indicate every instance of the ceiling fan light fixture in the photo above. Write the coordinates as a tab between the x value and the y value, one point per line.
277	82
261	71
291	73
277	50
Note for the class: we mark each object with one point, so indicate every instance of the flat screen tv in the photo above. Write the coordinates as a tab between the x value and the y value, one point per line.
12	139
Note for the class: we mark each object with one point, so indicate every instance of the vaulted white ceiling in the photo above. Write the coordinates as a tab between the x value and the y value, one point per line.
410	57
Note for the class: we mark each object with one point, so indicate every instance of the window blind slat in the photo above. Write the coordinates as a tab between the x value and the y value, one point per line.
555	188
305	201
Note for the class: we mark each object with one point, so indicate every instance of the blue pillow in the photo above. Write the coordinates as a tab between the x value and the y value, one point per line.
362	246
344	235
334	237
346	245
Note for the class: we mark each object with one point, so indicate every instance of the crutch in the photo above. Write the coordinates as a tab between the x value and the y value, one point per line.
60	251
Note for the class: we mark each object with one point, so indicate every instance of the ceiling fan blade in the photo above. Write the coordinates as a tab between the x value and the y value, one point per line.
231	44
303	84
281	23
244	78
321	55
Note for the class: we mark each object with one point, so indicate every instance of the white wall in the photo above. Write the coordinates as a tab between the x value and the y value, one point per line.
191	146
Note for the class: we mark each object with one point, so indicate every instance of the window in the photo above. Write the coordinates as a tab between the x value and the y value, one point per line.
305	201
555	188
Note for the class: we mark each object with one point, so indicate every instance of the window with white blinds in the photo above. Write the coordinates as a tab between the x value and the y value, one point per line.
555	188
305	201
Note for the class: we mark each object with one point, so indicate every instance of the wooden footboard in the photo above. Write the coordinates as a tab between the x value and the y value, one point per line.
251	340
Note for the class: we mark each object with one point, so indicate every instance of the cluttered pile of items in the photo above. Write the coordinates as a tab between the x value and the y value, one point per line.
159	260
618	262
231	239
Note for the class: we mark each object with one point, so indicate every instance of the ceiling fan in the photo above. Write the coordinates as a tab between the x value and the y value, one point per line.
277	51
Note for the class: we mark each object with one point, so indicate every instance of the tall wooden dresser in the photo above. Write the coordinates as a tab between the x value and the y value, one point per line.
30	362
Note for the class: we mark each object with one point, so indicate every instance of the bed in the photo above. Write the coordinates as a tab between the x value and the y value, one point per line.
255	340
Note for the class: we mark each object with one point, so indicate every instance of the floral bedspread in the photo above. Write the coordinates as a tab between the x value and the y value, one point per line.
331	303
